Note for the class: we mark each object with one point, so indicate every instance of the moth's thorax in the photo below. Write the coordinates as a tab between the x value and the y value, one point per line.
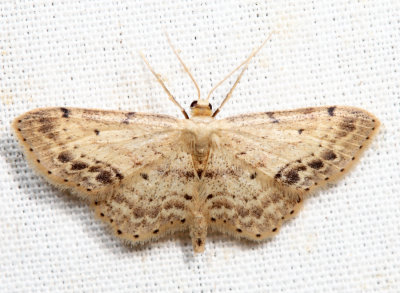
198	133
202	120
201	128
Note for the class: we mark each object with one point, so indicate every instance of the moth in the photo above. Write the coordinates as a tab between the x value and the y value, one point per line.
147	175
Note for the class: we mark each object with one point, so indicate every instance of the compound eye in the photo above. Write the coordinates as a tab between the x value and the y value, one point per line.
193	104
210	106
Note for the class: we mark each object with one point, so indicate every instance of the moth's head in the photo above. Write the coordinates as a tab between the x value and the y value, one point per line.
201	108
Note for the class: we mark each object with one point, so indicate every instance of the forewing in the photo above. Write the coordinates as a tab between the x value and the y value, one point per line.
91	151
298	149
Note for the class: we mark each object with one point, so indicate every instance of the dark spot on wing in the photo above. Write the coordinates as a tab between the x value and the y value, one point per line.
64	157
219	203
209	174
97	132
254	175
256	212
316	164
243	212
45	128
94	169
331	110
188	174
119	176
104	177
271	116
187	197
128	116
301	168
144	176
210	196
199	172
347	125
199	242
328	155
78	165
138	212
300	130
65	112
291	177
51	136
174	204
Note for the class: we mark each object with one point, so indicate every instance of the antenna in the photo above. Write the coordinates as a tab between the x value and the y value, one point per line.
170	96
245	64
183	64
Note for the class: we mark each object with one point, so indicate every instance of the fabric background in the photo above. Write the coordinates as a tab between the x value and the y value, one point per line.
85	54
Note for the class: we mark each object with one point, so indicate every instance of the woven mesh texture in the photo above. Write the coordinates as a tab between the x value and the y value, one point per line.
85	54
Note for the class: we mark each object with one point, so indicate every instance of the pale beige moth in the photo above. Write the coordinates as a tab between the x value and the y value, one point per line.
147	175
